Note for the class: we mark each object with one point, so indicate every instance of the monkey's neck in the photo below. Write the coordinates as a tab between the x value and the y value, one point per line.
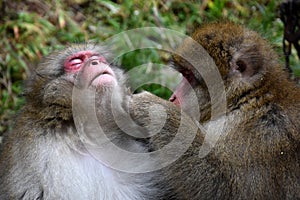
261	95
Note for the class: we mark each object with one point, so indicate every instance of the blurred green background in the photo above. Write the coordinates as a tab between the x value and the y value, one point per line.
31	29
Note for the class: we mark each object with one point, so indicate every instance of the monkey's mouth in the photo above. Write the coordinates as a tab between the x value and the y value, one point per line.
105	77
174	99
105	72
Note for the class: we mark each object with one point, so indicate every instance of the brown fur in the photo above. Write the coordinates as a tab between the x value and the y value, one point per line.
258	153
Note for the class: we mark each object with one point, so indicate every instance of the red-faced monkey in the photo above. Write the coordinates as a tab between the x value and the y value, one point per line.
45	157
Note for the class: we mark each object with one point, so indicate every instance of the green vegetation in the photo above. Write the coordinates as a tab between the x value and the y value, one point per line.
31	29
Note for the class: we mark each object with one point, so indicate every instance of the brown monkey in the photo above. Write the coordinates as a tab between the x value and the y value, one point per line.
257	155
44	157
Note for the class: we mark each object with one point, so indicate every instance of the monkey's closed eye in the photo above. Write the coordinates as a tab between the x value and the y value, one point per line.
75	62
188	75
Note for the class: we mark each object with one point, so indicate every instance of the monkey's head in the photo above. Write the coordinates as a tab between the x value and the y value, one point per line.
50	87
243	58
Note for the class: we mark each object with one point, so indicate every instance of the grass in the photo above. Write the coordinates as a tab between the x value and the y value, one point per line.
32	29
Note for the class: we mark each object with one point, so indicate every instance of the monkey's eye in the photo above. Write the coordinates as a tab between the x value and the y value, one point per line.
188	75
241	66
99	57
76	62
73	64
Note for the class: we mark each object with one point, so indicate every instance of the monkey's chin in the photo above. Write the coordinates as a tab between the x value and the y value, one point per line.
104	80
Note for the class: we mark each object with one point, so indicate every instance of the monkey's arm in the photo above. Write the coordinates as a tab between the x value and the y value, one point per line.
32	159
155	113
18	173
177	178
43	165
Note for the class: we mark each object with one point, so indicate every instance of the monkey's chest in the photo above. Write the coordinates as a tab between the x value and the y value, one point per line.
83	177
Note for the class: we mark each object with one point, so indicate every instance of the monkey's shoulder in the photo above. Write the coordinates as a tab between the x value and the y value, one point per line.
146	100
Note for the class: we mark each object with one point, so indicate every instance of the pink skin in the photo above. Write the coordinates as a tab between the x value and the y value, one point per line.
182	89
94	69
177	96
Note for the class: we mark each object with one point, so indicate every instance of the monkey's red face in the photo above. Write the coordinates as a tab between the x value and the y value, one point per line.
92	68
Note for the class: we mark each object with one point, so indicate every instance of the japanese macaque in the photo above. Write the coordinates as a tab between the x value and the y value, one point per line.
254	144
45	156
257	153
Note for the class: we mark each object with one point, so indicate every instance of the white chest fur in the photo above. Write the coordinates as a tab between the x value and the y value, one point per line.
70	175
